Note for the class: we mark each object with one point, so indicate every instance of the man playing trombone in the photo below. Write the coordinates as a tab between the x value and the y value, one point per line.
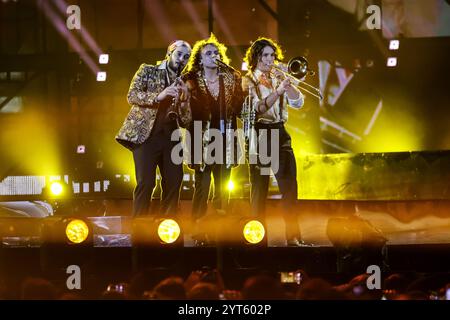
270	95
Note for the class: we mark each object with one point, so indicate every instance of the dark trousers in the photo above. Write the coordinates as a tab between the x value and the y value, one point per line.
155	151
286	178
202	184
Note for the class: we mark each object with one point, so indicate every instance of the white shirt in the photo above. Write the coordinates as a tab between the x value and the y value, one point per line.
273	114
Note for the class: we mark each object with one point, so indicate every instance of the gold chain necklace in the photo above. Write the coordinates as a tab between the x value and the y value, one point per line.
211	81
213	89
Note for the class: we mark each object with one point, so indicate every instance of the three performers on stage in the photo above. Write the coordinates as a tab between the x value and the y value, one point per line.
196	89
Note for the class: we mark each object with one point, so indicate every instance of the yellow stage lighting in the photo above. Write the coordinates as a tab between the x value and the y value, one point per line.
56	188
77	231
230	185
254	232
169	231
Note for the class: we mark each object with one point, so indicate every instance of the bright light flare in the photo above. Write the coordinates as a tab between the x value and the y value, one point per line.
254	232
169	231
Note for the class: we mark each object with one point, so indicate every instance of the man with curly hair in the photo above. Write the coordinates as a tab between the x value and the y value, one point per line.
215	99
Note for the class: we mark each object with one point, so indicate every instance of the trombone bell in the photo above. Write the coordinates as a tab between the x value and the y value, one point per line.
297	69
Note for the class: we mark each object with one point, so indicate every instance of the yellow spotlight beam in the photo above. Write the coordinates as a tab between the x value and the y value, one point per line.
230	185
56	188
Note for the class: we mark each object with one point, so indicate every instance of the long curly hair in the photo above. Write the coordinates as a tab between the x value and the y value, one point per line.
253	53
193	63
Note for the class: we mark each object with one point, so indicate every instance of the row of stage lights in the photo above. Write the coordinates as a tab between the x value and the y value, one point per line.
77	231
70	240
102	59
394	45
73	238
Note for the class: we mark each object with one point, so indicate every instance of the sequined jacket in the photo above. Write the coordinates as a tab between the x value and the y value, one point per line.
146	85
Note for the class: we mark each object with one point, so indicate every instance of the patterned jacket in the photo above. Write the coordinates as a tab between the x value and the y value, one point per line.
200	111
146	85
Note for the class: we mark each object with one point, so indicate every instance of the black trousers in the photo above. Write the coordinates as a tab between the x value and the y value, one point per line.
202	185
286	177
155	151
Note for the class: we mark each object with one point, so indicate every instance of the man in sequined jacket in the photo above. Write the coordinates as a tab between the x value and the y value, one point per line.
159	105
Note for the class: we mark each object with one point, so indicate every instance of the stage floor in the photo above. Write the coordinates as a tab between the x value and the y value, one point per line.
417	232
400	222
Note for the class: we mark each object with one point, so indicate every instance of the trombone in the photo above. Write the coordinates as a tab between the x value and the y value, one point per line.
296	69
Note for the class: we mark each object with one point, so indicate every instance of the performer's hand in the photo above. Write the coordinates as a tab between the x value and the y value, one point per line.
277	73
281	89
292	86
170	91
184	91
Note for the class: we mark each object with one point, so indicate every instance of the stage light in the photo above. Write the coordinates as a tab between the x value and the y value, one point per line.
246	239
156	242
370	63
56	188
392	62
254	232
65	241
101	76
67	231
81	149
244	66
169	231
77	231
237	231
156	232
394	45
103	58
230	185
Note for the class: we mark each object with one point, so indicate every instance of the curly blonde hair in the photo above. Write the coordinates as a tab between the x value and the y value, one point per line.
193	63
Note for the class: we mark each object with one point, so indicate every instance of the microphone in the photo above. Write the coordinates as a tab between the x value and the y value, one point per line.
220	63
